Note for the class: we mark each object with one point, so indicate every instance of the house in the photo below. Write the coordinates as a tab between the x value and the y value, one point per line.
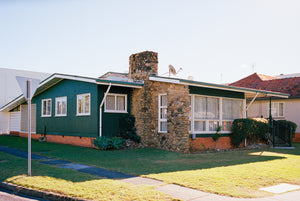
171	113
9	89
282	108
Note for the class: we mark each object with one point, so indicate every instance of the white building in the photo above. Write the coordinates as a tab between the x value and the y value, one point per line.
9	90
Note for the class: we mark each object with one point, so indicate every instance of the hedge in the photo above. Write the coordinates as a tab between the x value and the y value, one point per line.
252	129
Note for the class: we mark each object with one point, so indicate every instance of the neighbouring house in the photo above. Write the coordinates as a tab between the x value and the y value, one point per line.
281	108
9	89
171	113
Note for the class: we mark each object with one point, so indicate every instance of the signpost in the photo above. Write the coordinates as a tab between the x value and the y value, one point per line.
28	87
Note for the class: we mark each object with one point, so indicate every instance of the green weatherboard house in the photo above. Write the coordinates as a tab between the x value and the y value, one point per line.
170	113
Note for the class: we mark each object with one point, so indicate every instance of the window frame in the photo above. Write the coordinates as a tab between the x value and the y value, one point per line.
115	110
160	120
277	108
56	100
42	107
220	118
83	106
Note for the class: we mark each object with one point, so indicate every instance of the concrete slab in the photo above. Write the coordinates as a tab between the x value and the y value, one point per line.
104	173
74	166
281	188
55	162
142	181
182	193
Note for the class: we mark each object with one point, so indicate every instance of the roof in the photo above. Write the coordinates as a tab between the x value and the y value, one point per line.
288	75
57	77
290	85
249	93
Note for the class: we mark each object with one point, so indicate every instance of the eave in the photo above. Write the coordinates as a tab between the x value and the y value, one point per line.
249	93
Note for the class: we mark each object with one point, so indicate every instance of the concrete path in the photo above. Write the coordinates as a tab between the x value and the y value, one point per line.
176	191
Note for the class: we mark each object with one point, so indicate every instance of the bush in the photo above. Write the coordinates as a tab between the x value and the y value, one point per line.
104	143
290	125
128	130
253	130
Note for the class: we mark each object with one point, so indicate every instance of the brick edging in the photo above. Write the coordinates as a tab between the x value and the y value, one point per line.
37	193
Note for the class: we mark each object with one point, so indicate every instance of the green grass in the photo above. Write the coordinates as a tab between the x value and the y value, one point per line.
237	173
71	183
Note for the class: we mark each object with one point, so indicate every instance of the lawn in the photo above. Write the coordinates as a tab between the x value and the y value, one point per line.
235	173
71	183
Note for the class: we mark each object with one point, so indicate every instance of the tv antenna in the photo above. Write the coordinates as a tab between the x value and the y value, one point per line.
173	71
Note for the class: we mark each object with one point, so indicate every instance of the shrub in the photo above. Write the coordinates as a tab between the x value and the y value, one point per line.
128	130
116	142
251	129
104	143
290	125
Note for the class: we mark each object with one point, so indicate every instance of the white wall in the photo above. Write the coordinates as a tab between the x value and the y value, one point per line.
4	122
9	89
291	110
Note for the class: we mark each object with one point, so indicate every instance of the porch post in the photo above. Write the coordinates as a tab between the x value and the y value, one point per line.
271	121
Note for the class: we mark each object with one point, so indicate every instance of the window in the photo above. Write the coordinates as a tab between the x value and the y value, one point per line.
83	104
162	112
61	106
276	109
116	103
46	108
208	113
231	109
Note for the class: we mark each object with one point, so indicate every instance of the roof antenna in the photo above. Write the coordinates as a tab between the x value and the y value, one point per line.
253	67
173	71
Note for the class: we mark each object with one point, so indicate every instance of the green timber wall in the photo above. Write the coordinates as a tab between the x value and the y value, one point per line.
70	125
216	92
111	121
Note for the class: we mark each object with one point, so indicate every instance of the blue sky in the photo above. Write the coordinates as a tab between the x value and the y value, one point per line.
213	40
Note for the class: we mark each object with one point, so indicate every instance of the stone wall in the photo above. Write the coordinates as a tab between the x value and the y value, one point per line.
145	106
143	64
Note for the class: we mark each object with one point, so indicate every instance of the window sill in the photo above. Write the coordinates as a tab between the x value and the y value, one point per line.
88	114
60	115
46	116
115	111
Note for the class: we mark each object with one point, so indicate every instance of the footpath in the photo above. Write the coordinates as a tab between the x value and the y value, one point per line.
176	191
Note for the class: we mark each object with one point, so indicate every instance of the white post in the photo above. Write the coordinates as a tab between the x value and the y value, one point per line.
28	83
100	110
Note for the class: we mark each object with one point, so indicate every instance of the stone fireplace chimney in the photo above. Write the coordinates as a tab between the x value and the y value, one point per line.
143	64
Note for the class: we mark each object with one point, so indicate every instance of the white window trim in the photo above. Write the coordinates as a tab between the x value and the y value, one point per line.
61	98
42	108
159	114
283	105
220	114
116	111
77	106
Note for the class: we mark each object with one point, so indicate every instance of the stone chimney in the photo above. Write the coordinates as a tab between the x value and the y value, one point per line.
143	64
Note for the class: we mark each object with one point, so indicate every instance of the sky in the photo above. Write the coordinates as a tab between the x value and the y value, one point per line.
215	41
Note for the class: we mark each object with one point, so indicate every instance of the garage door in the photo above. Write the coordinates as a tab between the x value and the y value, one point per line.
24	115
15	121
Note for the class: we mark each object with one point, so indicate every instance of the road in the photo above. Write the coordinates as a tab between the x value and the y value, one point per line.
8	196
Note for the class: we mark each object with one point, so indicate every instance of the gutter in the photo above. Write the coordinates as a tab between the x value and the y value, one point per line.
100	110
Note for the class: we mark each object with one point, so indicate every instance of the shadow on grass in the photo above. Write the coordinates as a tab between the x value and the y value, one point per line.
134	162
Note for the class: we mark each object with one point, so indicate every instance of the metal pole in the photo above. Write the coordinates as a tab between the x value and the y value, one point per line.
271	121
29	125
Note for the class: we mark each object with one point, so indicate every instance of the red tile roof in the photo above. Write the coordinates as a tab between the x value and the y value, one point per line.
264	82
